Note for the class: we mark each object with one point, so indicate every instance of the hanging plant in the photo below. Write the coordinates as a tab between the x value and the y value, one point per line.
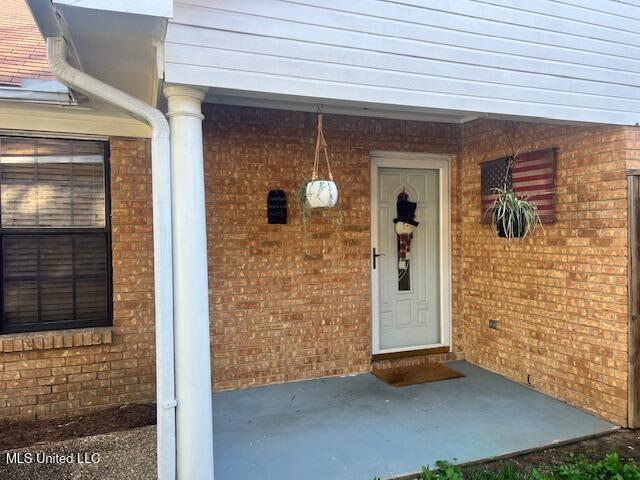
316	195
307	212
512	216
321	193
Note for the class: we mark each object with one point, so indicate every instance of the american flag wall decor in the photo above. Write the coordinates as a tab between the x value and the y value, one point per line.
532	175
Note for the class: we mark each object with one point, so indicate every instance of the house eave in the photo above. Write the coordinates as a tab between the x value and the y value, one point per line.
119	46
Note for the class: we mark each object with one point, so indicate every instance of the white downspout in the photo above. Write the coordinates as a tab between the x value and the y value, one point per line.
162	240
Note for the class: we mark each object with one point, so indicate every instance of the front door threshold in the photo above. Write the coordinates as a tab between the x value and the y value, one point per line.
409	353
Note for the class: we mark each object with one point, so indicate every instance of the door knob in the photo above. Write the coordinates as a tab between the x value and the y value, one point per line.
376	255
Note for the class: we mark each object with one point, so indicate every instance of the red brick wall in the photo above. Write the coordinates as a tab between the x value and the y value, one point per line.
74	371
560	297
277	315
562	322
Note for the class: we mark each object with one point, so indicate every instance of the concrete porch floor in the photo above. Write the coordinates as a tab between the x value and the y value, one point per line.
358	427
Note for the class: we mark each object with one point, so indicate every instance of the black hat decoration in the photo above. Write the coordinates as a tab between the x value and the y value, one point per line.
406	210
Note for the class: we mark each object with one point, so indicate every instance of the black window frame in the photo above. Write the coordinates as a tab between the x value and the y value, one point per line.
66	231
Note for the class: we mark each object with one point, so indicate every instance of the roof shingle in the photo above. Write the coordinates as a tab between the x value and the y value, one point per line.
22	48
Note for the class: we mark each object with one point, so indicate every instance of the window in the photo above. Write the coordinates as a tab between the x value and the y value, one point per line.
54	234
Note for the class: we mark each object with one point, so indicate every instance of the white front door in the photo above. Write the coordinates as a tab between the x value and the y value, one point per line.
408	267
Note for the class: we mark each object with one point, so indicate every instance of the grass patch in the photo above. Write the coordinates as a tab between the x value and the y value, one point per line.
610	467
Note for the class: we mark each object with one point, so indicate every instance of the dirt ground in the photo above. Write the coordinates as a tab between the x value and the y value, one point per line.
625	442
123	455
16	434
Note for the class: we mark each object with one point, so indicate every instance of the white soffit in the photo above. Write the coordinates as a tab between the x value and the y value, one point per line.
118	47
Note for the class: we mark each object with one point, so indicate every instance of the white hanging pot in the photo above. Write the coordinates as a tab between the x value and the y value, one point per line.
322	194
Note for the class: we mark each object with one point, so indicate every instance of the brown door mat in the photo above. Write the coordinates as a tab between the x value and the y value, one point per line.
415	374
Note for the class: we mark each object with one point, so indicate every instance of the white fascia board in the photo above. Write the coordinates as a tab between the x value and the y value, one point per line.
72	121
153	8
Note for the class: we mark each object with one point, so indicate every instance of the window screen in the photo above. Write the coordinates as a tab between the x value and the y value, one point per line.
54	234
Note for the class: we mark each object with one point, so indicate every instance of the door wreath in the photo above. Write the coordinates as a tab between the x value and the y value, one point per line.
405	225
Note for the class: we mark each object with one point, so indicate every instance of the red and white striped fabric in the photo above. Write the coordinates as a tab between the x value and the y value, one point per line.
532	176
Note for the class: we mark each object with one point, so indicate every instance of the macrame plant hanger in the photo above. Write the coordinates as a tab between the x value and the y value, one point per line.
320	143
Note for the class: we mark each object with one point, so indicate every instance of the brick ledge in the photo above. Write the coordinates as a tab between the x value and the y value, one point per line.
49	340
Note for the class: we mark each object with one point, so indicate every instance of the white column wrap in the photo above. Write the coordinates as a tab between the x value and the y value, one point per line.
194	427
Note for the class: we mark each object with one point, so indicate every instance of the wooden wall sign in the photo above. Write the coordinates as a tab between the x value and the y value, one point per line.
277	207
532	175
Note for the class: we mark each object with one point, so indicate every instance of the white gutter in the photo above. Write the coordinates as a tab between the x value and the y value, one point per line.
24	94
162	242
